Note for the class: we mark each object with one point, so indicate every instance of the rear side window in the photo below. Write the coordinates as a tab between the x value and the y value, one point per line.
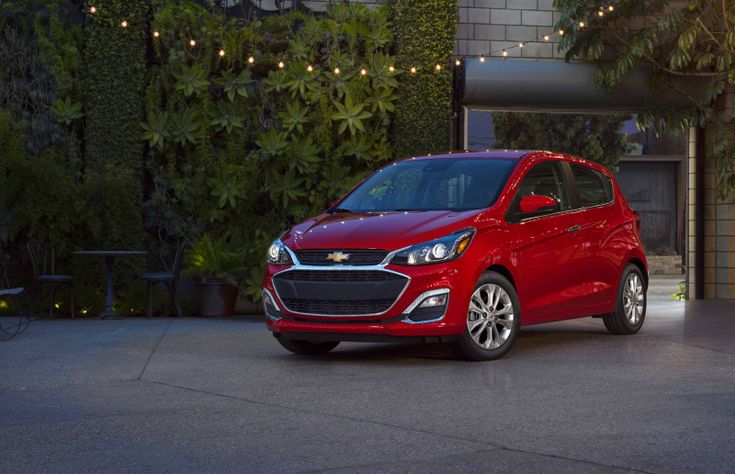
594	187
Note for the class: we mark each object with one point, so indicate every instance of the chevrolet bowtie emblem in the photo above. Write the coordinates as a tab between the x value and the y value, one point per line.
338	257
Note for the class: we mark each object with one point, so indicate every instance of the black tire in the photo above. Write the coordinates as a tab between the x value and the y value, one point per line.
306	347
467	348
618	322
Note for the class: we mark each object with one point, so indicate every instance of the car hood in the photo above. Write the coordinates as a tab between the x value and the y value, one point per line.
387	230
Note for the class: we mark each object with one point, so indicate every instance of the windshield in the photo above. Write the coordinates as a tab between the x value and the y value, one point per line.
439	184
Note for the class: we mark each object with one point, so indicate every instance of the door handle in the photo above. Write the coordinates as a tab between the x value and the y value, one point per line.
574	229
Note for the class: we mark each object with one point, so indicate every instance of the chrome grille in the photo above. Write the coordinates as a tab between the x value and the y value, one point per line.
356	257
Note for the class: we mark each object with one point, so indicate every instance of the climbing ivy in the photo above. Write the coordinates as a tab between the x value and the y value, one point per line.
114	82
425	32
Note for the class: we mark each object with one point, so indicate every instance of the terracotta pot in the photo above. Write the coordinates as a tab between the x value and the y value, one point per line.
216	298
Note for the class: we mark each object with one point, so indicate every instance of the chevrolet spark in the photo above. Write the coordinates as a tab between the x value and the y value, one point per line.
462	248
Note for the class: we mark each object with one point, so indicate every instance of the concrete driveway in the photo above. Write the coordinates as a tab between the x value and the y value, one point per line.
176	395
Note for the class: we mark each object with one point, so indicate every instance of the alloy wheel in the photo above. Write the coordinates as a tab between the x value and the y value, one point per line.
490	316
633	298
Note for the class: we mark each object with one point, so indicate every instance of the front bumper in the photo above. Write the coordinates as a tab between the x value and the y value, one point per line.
422	282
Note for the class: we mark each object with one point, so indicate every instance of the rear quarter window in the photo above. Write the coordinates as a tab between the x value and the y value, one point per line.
594	188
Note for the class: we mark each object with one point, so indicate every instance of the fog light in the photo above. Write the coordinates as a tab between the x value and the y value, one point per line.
430	306
438	300
269	307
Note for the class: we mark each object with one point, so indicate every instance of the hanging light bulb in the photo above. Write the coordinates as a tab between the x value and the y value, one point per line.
156	34
124	24
601	13
336	70
281	65
251	60
93	9
221	53
611	8
391	68
482	58
505	53
310	68
520	45
438	67
413	70
546	37
363	72
581	24
192	43
457	63
561	32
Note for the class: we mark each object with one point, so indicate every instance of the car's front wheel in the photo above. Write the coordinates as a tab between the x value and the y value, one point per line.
493	319
630	305
306	347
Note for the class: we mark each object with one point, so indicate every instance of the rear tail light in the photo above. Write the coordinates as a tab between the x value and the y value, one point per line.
637	220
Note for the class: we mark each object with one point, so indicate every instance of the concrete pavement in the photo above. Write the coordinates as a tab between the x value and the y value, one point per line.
173	395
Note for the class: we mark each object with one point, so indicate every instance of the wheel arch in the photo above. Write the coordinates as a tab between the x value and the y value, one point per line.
641	266
503	270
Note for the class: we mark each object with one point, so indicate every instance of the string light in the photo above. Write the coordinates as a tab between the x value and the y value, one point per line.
611	8
505	53
391	68
546	37
601	13
457	63
336	70
192	43
482	58
520	45
413	70
581	24
363	72
310	68
561	32
156	34
438	67
124	24
93	9
251	60
281	65
221	53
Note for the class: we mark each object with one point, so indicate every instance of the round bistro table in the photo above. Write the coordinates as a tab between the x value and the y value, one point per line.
110	256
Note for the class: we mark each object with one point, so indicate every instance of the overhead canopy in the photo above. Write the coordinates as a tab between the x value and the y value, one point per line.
556	85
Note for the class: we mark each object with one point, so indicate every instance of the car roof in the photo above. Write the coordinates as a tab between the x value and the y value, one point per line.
514	154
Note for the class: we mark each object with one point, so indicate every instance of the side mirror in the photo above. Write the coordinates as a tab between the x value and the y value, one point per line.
533	204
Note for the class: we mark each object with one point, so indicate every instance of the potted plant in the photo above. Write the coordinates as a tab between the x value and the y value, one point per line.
215	265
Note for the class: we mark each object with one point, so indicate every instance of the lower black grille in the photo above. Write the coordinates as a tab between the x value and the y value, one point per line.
353	257
337	307
339	292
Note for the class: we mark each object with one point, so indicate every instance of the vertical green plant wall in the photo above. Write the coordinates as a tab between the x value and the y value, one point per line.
115	62
425	32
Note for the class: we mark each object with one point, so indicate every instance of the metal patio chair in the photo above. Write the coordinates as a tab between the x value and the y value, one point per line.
169	277
12	300
43	260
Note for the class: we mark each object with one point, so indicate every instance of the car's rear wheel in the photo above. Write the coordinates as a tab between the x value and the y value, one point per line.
630	306
306	347
493	319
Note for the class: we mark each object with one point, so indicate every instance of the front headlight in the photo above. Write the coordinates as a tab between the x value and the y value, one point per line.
277	254
436	251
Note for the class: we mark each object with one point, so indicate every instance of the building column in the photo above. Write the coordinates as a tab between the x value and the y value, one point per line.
723	260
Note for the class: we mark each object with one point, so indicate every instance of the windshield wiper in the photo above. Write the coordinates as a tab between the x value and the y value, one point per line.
339	210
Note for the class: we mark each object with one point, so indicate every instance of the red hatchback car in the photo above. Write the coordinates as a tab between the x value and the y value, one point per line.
462	248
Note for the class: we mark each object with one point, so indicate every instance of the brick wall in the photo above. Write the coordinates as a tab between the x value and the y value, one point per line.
489	26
